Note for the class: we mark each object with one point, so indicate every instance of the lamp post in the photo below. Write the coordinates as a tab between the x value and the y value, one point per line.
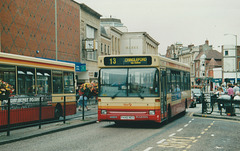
235	55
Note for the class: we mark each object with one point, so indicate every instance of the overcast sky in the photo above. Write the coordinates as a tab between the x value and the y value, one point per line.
171	21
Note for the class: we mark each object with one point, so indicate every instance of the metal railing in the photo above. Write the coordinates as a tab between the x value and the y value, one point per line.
37	111
211	103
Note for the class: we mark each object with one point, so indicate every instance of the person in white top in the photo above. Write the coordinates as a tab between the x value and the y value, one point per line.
235	88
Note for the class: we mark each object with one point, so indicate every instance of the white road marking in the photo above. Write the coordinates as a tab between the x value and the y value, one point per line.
189	121
149	148
186	125
161	141
180	129
172	134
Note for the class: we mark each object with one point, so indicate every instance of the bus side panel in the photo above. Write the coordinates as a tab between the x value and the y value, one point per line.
26	115
180	107
32	114
70	109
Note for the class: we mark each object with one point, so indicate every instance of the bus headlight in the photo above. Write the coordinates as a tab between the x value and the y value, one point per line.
151	112
104	112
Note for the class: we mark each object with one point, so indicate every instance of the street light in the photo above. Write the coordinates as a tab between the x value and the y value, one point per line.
235	55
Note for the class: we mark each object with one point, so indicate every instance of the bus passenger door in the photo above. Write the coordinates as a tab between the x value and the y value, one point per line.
163	81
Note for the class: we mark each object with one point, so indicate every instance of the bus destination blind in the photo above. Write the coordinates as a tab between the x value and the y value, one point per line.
120	61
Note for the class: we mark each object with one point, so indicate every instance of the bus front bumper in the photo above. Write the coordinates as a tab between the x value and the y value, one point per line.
143	115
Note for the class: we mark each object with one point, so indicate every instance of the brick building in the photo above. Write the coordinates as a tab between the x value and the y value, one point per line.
39	29
28	28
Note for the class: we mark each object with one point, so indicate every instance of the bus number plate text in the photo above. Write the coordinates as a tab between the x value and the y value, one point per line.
127	118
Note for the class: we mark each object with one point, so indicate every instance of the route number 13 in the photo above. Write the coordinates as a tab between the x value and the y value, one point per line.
113	61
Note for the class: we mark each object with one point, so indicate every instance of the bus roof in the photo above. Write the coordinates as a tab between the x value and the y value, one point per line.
13	59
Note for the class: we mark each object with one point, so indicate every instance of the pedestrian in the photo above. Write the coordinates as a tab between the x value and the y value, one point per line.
87	95
83	97
229	109
224	89
230	90
219	93
237	98
236	89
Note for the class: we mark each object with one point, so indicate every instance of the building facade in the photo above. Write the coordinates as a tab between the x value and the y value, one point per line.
205	62
187	55
39	29
138	43
173	51
124	42
231	64
90	40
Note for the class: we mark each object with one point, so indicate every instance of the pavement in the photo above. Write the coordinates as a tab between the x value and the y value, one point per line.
30	132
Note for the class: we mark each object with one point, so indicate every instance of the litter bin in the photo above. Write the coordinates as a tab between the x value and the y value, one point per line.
226	100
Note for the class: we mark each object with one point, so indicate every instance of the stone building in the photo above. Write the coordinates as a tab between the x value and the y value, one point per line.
173	51
138	43
124	42
90	42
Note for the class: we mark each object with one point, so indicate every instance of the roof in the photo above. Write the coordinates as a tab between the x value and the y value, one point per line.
103	31
210	54
213	63
90	10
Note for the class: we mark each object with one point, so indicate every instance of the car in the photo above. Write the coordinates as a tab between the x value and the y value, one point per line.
197	94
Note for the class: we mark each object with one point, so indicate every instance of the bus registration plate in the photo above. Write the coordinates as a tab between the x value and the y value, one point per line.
127	117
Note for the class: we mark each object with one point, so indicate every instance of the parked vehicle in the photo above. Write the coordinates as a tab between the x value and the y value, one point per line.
197	94
193	102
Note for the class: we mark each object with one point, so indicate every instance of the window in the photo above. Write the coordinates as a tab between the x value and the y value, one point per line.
90	32
57	82
68	82
44	81
226	53
132	82
101	47
8	74
105	48
26	81
175	81
168	81
92	55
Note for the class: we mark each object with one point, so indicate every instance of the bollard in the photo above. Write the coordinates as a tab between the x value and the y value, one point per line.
64	112
40	113
8	126
203	103
83	108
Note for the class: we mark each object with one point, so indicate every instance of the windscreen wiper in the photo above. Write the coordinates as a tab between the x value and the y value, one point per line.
140	95
115	95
